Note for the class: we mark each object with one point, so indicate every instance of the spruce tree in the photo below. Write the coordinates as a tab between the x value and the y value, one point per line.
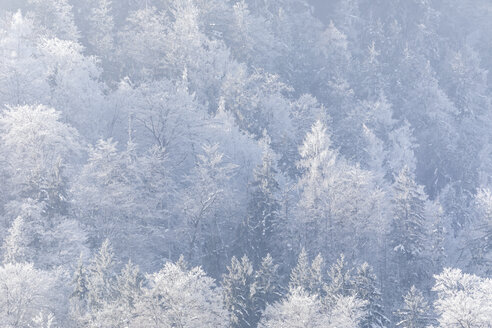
236	285
246	292
263	210
266	288
16	244
308	276
340	280
366	289
101	278
409	232
79	296
299	277
129	285
415	310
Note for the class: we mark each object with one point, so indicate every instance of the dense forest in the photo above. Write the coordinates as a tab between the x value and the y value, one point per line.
245	163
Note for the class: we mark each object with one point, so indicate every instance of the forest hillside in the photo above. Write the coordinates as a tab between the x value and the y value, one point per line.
245	163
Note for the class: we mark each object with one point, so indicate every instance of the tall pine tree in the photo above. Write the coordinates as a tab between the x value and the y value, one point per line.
263	211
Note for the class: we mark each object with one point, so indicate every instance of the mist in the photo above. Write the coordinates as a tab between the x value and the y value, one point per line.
245	164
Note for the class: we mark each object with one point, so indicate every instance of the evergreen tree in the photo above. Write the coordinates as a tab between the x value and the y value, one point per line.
100	34
129	285
338	202
247	293
266	287
340	280
415	310
308	276
409	232
237	288
261	224
318	165
366	289
56	17
317	284
79	296
101	278
480	231
121	311
16	244
300	274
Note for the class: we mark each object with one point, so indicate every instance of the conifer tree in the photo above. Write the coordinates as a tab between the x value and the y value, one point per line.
15	246
129	285
57	17
340	280
308	276
246	292
409	231
263	211
480	247
317	283
121	310
266	287
317	165
415	310
236	285
101	28
366	289
101	278
299	277
79	296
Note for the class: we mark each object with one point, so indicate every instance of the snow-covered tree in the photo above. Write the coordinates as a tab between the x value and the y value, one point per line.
205	197
414	312
479	232
25	293
317	160
181	297
164	113
75	86
308	276
16	245
121	311
298	310
262	222
251	38
238	289
101	34
330	213
267	287
56	17
104	191
79	296
22	76
464	300
247	292
366	288
100	278
409	233
347	312
340	280
37	146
